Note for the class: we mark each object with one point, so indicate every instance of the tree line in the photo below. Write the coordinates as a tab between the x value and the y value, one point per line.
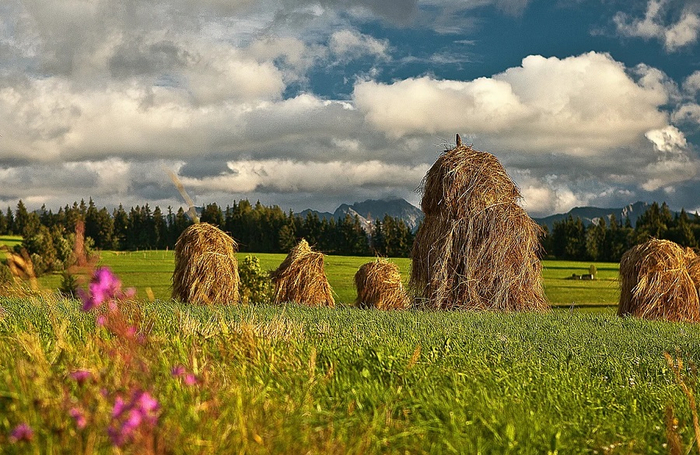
255	227
607	239
49	236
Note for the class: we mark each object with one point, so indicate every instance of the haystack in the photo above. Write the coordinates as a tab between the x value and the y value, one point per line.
379	286
656	282
206	269
301	278
477	248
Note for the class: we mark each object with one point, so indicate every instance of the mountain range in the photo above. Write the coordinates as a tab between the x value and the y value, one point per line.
371	210
590	215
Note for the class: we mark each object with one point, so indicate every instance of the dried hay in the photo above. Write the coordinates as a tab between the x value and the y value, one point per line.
477	248
656	282
464	181
206	269
692	261
379	286
301	278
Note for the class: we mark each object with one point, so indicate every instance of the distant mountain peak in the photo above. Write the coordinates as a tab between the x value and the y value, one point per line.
593	215
372	209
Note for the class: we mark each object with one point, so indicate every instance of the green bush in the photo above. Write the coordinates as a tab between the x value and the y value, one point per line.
69	284
41	265
255	285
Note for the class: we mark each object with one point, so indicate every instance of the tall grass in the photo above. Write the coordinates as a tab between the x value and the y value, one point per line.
313	380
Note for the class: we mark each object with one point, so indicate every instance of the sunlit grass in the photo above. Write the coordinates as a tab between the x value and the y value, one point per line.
315	380
153	269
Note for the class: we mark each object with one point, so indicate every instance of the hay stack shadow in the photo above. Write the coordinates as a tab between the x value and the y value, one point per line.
379	286
477	249
301	278
206	269
659	280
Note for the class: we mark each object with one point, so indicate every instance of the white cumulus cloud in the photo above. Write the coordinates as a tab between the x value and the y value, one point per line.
584	105
349	44
675	35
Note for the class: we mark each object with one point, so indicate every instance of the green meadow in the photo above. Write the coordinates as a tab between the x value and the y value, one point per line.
153	269
292	379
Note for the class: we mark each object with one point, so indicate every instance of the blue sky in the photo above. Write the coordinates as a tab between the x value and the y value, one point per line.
316	103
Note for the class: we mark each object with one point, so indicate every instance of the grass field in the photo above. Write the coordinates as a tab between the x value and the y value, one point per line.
153	269
292	379
304	380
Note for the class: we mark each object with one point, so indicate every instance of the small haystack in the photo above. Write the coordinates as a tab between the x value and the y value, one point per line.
301	278
657	282
206	269
477	248
379	286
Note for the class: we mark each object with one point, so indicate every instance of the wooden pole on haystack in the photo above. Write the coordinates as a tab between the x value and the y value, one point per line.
206	268
477	248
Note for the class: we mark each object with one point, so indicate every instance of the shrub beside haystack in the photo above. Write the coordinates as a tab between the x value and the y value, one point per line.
477	248
206	269
658	280
301	278
378	285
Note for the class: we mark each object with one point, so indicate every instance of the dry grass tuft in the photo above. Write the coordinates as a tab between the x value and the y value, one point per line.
378	285
477	248
206	269
658	281
301	278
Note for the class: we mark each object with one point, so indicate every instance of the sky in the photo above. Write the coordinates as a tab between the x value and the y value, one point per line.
310	104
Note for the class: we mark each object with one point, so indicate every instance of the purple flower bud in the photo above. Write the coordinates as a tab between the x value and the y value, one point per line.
79	417
104	286
177	371
22	433
127	417
119	407
81	376
190	379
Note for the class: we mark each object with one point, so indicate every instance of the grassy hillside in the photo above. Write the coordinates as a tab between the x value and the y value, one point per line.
303	380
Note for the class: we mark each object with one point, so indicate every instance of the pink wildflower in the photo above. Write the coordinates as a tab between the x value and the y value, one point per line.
79	417
180	372
81	376
128	417
22	433
104	286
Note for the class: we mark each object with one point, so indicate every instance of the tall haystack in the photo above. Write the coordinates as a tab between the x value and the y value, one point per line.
477	248
657	282
301	278
379	286
206	269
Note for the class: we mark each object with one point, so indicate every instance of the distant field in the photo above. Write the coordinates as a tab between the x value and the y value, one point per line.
10	241
144	269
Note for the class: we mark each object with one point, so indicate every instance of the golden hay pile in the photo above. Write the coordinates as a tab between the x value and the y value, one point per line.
301	278
659	280
206	269
477	248
378	285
